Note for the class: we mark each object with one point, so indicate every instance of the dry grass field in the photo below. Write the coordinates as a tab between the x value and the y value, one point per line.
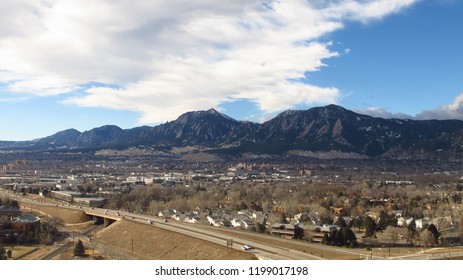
158	244
68	216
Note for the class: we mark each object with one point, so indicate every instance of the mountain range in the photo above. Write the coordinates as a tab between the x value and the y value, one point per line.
319	129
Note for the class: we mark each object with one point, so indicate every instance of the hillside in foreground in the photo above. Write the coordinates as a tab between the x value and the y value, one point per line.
157	244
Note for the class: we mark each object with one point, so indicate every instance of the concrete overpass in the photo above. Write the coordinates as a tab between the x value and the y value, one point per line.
100	216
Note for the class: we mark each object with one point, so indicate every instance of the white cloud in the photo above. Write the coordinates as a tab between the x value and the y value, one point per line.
382	113
168	57
365	11
445	112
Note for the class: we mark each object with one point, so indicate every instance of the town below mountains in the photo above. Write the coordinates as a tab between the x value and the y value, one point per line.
330	130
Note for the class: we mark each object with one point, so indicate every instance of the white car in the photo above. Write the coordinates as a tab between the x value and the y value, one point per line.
150	222
246	247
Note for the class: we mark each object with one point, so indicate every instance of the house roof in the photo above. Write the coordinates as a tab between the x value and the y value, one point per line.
285	226
26	219
327	228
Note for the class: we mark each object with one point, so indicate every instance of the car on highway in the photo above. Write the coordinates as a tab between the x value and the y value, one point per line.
150	222
246	247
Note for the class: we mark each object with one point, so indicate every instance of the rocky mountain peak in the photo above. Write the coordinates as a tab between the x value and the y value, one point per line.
328	128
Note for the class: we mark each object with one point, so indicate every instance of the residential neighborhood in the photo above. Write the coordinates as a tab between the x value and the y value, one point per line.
335	203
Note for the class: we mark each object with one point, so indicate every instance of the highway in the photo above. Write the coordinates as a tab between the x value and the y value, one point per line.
263	249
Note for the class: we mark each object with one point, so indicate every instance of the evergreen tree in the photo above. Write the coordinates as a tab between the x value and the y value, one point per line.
79	249
341	222
357	222
326	220
411	228
2	253
283	219
326	239
434	232
261	227
370	226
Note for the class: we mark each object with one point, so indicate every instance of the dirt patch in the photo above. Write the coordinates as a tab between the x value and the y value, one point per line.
158	244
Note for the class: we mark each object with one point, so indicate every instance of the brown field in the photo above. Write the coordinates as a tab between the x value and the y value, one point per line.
158	244
21	251
68	216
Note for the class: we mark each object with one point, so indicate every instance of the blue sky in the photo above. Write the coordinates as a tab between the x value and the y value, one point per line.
146	62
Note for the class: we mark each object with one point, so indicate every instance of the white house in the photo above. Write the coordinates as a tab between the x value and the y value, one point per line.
422	223
246	224
191	219
401	222
214	220
167	213
236	222
398	213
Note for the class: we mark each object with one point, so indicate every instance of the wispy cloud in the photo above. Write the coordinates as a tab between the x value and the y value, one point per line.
168	57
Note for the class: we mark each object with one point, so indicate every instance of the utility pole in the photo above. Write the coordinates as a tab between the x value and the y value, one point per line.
450	249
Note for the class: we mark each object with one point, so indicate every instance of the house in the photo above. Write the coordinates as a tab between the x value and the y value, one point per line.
214	220
12	222
398	213
191	219
337	210
450	238
248	224
225	223
422	223
393	235
236	222
319	232
401	222
245	213
176	217
442	222
289	231
167	213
